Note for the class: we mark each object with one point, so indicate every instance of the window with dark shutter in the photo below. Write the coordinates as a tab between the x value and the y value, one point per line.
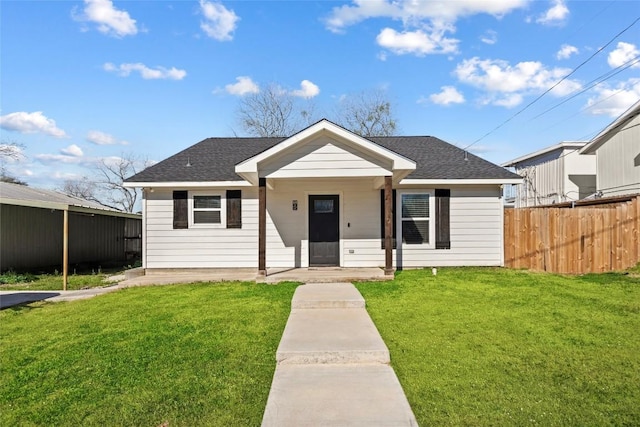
415	218
180	210
443	232
393	217
234	209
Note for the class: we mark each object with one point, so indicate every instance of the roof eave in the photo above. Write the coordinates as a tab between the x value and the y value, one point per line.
465	181
180	184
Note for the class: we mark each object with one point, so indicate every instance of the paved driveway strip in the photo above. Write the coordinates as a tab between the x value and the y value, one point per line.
333	367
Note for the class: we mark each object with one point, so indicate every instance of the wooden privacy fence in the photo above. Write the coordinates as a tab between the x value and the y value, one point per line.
585	239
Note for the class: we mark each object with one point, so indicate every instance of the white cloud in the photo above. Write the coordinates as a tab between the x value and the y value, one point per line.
72	150
307	90
220	22
35	122
244	85
417	42
508	101
566	50
615	100
448	95
61	158
556	15
110	20
489	37
101	138
506	84
145	72
412	11
425	22
623	53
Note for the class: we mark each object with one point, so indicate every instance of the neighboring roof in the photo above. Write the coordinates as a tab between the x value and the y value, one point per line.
561	146
22	195
612	129
214	159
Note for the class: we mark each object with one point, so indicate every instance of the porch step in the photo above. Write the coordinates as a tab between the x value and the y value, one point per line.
327	295
331	335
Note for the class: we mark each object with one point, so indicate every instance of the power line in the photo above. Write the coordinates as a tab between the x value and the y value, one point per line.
554	85
593	83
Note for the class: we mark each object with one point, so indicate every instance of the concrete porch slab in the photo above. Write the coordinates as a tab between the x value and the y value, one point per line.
325	275
331	336
336	395
163	276
327	295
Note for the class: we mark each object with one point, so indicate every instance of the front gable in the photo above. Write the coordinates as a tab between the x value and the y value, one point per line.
325	150
324	157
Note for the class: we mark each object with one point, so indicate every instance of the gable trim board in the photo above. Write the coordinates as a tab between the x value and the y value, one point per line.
452	218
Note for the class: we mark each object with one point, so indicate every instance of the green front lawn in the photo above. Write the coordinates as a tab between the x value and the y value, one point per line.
187	354
490	346
471	346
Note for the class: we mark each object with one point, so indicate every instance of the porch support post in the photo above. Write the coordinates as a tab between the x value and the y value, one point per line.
65	248
262	226
388	227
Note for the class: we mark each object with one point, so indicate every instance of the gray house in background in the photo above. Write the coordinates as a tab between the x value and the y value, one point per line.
617	153
555	174
32	226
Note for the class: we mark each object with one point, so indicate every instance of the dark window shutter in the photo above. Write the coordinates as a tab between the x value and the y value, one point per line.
393	217
180	210
234	209
443	233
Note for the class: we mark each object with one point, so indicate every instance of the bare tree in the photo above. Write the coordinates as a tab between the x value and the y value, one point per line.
107	186
112	173
83	188
10	151
368	113
274	112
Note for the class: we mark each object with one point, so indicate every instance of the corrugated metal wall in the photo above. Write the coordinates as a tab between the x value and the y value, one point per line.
31	238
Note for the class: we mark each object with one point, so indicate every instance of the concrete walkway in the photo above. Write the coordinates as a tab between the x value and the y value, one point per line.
13	298
332	365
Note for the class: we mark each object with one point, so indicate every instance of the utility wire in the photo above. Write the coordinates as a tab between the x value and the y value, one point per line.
554	85
593	83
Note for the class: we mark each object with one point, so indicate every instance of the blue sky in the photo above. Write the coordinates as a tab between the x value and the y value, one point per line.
96	79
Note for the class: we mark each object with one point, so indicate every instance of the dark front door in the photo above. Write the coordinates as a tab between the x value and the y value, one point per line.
324	230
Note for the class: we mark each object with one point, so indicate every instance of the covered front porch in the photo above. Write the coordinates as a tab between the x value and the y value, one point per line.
319	200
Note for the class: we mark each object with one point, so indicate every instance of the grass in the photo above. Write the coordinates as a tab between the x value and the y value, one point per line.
491	346
12	281
186	354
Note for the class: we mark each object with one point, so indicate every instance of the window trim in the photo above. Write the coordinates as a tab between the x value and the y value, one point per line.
222	209
431	244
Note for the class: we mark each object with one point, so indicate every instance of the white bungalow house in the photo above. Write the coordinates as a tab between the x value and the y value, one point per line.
617	153
554	174
322	197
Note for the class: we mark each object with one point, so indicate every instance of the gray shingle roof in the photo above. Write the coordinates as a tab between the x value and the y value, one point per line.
214	159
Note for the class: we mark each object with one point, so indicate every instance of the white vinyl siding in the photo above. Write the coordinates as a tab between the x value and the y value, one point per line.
558	176
325	158
475	214
476	227
204	246
618	162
